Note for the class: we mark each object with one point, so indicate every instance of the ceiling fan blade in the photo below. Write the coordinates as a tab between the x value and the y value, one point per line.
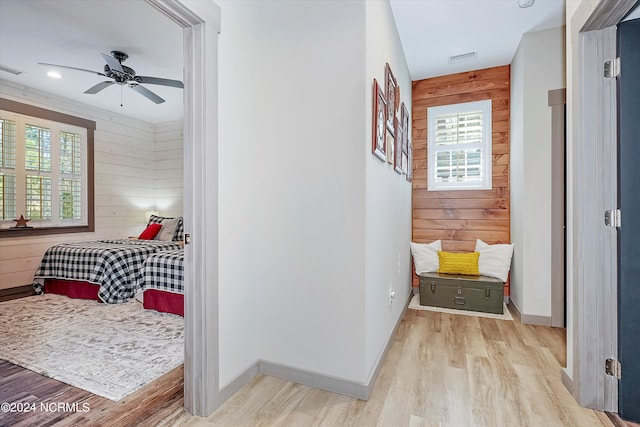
112	62
97	88
72	68
146	92
159	81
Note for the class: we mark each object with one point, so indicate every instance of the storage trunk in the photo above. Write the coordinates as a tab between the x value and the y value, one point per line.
474	293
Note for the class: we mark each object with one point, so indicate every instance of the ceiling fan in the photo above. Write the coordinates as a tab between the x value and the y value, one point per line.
123	75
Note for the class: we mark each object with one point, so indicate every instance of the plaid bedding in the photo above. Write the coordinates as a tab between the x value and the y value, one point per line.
113	264
163	271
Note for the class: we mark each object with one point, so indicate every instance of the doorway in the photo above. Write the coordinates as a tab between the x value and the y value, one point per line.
201	24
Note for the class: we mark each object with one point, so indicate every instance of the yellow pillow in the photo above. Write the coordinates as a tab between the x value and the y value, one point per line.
459	263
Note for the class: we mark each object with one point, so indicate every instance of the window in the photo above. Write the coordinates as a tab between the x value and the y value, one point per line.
459	146
7	169
46	170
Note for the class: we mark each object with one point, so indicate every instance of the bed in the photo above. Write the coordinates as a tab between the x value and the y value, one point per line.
161	281
104	270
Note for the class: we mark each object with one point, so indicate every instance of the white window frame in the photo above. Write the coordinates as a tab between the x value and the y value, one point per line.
21	172
485	183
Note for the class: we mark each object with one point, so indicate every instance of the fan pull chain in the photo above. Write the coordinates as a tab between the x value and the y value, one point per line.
121	96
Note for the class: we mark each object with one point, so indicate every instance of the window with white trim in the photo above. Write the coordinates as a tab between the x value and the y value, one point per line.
459	146
43	172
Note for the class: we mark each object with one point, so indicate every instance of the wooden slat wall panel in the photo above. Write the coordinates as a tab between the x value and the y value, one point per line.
458	218
168	168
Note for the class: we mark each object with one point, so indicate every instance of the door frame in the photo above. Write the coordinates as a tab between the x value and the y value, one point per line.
200	21
557	100
595	189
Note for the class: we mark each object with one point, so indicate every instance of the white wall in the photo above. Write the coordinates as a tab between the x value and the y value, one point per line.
168	168
388	194
540	68
238	138
517	176
292	187
310	191
295	159
127	180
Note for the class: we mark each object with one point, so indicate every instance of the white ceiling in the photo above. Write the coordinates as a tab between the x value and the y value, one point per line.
433	30
75	32
634	14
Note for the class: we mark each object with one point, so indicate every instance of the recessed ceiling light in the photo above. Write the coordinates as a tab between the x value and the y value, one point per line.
525	3
54	74
463	57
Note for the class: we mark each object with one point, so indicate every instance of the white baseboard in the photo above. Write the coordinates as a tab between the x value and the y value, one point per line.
313	379
530	319
238	382
567	381
324	382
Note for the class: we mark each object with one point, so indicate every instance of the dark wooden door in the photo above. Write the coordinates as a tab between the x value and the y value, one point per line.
629	232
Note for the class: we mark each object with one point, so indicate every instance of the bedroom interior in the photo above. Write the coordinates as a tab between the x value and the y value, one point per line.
138	181
257	330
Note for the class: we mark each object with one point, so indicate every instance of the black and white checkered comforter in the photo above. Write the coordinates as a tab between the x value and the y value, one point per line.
163	271
115	265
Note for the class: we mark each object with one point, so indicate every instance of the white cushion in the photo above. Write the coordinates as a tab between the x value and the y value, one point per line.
425	256
495	260
168	229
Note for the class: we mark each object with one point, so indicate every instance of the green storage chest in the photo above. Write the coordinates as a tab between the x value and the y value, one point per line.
474	293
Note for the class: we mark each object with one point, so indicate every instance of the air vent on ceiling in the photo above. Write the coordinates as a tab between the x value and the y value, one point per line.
463	57
10	70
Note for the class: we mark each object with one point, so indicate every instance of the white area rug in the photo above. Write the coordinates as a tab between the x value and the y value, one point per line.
415	305
110	350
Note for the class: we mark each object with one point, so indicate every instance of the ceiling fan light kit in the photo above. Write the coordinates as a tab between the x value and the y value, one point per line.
525	3
123	75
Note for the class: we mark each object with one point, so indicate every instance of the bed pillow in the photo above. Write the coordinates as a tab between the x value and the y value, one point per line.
495	260
168	230
458	263
425	256
179	229
150	232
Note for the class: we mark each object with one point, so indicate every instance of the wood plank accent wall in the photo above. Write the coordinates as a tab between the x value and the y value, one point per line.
458	218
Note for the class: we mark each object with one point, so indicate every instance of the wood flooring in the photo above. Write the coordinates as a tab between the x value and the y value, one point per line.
441	370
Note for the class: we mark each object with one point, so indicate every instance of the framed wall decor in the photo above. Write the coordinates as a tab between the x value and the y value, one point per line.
379	118
409	175
404	120
405	159
397	150
390	146
391	85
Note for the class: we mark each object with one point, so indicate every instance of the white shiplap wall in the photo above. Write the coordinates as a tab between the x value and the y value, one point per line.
168	168
138	165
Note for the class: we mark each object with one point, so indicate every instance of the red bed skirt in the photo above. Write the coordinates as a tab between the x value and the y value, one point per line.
166	302
72	288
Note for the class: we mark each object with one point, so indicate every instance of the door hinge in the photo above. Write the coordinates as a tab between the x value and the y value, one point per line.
187	239
613	367
613	218
612	68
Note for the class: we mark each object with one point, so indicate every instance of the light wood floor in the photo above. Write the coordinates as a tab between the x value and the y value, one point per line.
442	370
